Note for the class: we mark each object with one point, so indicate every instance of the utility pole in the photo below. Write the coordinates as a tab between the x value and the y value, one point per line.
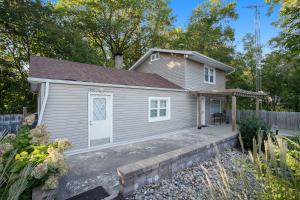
258	50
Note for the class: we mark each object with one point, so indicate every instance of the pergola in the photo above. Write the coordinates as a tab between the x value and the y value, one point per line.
227	92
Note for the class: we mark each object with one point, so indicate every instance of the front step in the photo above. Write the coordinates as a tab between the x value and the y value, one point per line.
93	194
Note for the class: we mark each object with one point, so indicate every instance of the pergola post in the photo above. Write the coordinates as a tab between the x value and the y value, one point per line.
234	93
257	107
233	114
199	107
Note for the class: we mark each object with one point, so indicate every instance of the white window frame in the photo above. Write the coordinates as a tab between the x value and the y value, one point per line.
209	74
154	56
168	109
220	108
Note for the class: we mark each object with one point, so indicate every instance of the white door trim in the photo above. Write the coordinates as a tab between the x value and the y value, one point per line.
89	110
203	101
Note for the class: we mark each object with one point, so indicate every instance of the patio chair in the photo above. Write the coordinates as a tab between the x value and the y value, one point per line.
218	117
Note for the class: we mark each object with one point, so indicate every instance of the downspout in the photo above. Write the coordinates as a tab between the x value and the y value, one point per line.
43	104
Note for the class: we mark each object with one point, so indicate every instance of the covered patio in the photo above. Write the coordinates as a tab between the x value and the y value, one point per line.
233	93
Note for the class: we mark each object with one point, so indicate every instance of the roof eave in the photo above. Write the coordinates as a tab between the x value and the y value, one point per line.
61	81
198	58
142	59
212	62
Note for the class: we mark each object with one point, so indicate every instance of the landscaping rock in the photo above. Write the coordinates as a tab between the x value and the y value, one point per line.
191	183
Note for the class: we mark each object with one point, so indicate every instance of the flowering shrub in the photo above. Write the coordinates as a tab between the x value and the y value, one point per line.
32	150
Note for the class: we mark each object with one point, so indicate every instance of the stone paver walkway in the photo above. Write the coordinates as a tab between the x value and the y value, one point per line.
99	168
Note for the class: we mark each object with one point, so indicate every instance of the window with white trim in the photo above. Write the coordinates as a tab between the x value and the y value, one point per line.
215	106
159	109
209	75
154	57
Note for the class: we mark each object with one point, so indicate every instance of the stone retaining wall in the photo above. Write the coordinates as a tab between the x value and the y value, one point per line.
135	175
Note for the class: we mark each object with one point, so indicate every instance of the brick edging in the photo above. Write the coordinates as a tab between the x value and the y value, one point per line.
135	175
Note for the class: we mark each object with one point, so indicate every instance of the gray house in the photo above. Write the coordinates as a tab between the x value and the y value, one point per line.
96	106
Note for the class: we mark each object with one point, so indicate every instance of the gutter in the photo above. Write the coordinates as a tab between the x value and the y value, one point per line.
32	79
44	103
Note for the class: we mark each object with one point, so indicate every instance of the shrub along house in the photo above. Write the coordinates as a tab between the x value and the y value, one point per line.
165	90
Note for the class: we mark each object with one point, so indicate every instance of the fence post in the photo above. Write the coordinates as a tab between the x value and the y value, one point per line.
257	107
24	112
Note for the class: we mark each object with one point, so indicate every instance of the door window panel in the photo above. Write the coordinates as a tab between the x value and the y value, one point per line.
99	111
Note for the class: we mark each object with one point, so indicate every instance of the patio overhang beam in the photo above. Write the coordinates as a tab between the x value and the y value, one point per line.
228	92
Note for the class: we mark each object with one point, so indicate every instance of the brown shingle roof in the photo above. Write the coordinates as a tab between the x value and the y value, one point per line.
41	67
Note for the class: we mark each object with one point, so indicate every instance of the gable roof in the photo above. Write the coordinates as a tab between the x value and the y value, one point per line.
48	68
192	55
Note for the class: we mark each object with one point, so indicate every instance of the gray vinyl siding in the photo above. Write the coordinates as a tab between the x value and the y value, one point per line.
195	77
171	67
66	113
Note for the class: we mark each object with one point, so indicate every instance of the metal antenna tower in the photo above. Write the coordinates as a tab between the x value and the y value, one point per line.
258	50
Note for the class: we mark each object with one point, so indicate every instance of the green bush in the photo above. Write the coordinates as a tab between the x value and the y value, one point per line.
28	159
249	128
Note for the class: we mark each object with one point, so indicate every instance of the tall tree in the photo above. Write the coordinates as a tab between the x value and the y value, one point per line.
244	77
126	27
274	69
208	31
286	49
28	28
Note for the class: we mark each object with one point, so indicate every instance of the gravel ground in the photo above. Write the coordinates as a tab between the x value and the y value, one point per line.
191	183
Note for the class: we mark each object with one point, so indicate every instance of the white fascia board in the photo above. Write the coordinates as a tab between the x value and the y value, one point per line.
173	51
142	59
211	62
40	80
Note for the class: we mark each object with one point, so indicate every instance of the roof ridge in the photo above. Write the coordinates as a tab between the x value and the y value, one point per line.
94	65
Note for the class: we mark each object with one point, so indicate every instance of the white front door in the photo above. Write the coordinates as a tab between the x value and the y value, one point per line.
203	110
100	119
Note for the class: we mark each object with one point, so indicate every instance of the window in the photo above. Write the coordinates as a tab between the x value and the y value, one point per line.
215	106
99	109
209	75
159	109
154	57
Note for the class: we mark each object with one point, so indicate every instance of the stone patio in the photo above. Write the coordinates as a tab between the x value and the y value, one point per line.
99	168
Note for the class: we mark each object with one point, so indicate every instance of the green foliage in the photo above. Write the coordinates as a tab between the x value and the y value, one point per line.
28	160
119	27
93	31
275	163
208	31
32	28
249	128
277	168
244	77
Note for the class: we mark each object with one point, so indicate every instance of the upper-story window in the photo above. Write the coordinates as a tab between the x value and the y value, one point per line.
154	57
209	75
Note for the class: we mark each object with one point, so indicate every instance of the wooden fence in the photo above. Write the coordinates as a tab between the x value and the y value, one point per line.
278	120
10	123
